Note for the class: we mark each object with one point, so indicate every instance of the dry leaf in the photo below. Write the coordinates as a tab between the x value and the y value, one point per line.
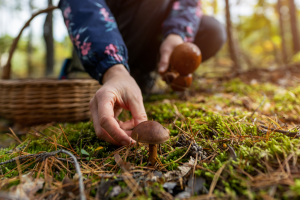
182	172
27	188
116	190
125	166
69	185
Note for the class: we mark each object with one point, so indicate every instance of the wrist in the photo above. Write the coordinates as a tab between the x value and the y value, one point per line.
175	36
115	70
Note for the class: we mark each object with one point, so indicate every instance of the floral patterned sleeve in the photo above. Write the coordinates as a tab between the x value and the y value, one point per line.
184	19
95	35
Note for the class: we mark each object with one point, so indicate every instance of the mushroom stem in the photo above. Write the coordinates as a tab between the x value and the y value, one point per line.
152	154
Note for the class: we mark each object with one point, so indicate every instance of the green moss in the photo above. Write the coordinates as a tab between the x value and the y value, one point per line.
211	127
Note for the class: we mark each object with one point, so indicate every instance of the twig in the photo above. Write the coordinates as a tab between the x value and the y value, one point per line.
290	134
19	158
77	167
44	156
65	160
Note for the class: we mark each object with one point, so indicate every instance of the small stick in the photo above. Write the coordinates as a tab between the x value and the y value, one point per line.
291	134
77	167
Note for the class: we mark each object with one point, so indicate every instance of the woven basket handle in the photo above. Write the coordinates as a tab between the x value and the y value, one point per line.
7	67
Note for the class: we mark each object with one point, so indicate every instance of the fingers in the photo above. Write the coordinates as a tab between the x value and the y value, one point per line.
128	125
166	50
106	118
117	111
164	61
101	134
137	109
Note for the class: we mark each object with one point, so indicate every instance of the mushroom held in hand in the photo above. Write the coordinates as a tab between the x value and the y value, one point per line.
152	133
185	58
182	82
169	77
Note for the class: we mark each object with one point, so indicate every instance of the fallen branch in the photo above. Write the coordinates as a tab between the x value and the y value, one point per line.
43	156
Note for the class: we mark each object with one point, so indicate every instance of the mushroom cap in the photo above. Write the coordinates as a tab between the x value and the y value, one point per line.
186	58
150	132
182	82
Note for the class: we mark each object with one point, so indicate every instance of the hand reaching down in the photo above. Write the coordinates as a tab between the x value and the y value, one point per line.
119	91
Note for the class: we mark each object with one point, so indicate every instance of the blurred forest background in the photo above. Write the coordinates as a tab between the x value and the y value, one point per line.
261	34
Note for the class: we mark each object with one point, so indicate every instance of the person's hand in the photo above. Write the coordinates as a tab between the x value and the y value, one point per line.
166	50
119	91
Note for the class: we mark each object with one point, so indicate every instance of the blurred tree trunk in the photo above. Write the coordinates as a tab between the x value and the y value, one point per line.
48	36
29	46
294	26
231	43
215	6
282	33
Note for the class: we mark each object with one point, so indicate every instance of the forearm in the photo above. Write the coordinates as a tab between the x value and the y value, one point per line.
95	36
184	19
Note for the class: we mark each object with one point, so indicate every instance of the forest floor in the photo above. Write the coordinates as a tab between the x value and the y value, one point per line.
229	140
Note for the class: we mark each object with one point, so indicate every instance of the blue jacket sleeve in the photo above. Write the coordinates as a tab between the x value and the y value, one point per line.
184	19
95	35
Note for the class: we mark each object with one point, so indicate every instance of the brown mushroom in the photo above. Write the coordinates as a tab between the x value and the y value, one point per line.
182	82
169	77
185	58
152	133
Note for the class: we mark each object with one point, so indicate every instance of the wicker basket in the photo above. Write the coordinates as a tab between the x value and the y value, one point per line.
30	102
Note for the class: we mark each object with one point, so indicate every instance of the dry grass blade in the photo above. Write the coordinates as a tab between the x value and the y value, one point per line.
267	160
215	180
125	166
131	183
178	158
15	136
67	140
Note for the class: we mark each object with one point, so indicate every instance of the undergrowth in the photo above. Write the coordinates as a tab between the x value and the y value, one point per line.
229	124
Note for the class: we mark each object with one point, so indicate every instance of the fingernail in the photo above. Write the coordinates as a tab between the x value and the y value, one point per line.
161	68
124	143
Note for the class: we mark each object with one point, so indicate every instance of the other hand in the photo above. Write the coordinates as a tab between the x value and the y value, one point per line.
166	50
119	91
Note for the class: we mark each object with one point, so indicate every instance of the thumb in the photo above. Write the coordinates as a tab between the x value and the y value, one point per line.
164	62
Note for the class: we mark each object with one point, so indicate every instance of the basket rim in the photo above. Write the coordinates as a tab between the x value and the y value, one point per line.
47	81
